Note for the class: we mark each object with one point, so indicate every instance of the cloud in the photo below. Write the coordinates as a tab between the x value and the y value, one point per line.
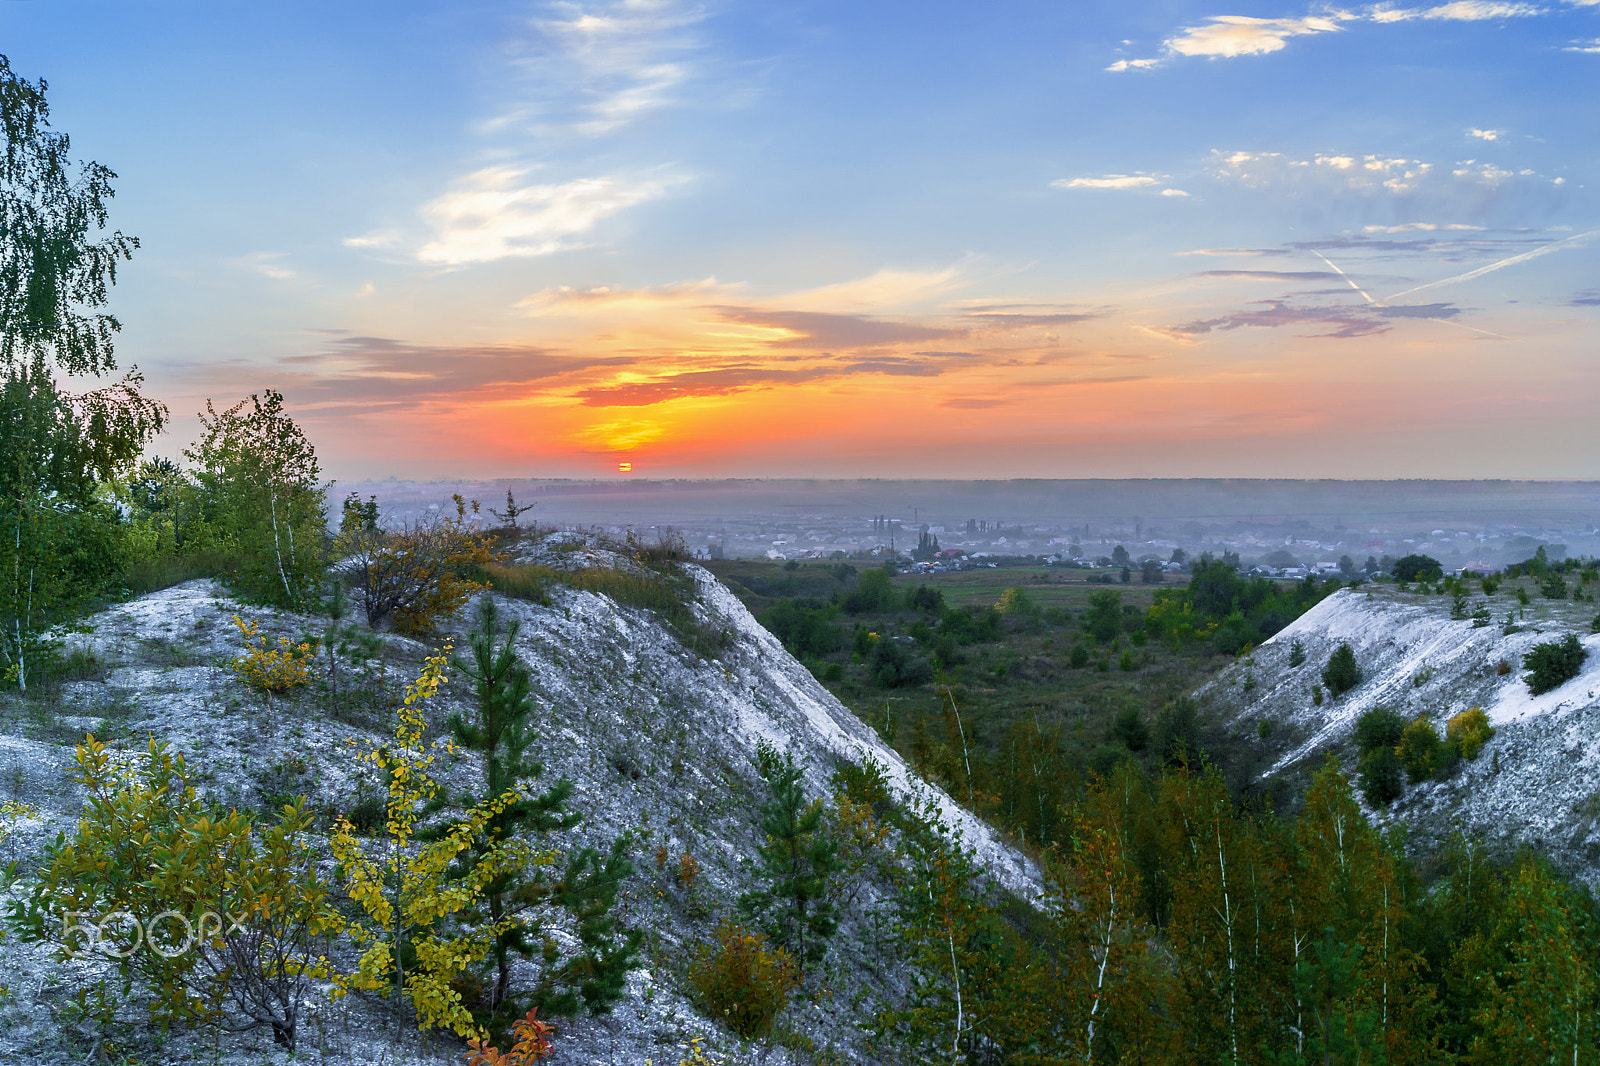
267	264
1110	181
599	67
371	371
1239	35
492	214
975	403
1460	11
1586	298
1271	275
1592	47
1486	135
880	291
1365	173
1235	251
602	300
1342	322
818	330
1118	181
1026	320
1408	227
1231	36
742	377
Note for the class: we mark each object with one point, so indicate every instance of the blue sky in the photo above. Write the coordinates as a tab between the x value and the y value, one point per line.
1001	240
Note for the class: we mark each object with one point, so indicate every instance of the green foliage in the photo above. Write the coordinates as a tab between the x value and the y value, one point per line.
1554	586
1554	663
741	980
1381	778
1381	727
1218	598
501	730
805	627
1177	734
1079	657
1103	621
1297	654
1130	729
1416	567
874	591
260	481
1341	674
1468	732
231	914
1418	749
798	861
894	665
971	625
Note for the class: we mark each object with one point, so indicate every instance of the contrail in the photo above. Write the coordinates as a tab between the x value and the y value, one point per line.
1481	271
1343	275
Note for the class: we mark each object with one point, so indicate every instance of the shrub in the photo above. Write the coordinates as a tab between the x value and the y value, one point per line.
1177	733
272	670
1341	674
1103	620
1468	732
1554	663
1297	653
1316	695
742	980
1079	657
1129	728
417	575
532	1036
1419	750
1380	778
231	912
1381	727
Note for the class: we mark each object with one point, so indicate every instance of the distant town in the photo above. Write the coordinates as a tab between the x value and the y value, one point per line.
1322	528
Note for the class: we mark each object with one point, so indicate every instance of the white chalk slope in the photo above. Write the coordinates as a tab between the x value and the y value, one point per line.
1534	783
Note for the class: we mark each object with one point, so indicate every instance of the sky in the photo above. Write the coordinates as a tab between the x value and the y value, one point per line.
826	239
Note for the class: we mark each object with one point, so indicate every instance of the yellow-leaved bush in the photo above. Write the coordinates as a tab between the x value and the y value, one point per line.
1469	731
272	670
742	980
408	891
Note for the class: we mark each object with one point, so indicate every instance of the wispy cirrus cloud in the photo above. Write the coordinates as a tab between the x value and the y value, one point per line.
495	213
1271	275
593	68
1459	11
1591	46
